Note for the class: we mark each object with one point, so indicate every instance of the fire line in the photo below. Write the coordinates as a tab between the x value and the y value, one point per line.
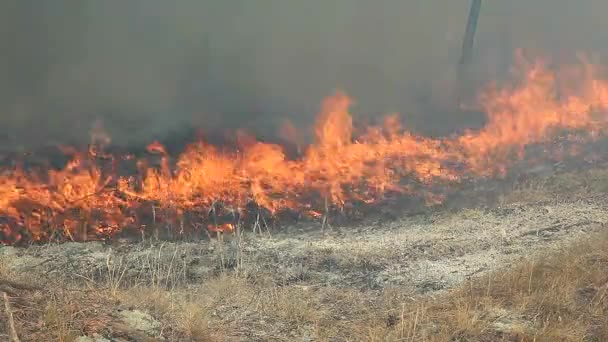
207	187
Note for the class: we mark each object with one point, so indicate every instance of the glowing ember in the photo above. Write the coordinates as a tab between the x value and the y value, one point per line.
85	200
221	228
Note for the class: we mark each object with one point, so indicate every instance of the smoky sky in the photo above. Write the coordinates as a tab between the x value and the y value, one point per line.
147	68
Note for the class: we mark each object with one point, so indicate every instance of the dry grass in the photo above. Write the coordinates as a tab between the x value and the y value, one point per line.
570	184
560	297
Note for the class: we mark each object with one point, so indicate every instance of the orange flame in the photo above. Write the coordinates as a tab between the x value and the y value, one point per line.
221	228
84	201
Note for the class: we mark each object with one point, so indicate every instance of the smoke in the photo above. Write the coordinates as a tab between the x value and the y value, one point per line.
150	68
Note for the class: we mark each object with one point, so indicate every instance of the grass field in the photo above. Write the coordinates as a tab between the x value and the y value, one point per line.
531	265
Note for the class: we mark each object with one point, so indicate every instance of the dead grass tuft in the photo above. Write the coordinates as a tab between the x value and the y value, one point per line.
56	319
182	314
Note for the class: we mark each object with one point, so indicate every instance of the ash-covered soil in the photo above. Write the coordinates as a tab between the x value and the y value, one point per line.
425	253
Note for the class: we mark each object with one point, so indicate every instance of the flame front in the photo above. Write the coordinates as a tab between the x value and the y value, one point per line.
86	200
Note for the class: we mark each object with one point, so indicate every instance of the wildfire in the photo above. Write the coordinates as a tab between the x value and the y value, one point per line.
205	184
222	228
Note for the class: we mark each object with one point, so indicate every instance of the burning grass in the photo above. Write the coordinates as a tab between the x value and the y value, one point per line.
209	187
326	289
398	280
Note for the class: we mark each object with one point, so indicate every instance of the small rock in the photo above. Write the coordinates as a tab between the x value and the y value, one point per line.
94	338
141	321
8	251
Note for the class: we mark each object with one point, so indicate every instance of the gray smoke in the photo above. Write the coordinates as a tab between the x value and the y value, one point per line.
147	68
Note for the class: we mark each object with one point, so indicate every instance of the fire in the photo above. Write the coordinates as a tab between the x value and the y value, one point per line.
207	186
221	228
529	113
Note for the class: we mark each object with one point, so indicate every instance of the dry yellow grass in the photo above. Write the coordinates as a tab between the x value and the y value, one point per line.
569	184
559	296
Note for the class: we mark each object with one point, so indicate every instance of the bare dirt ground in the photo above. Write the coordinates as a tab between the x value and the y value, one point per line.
296	284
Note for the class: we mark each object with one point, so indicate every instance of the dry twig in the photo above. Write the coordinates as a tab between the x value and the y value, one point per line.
19	286
13	337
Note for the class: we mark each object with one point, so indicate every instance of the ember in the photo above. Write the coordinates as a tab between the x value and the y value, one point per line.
222	228
214	188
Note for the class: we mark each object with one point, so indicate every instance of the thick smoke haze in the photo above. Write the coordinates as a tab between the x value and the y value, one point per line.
147	68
